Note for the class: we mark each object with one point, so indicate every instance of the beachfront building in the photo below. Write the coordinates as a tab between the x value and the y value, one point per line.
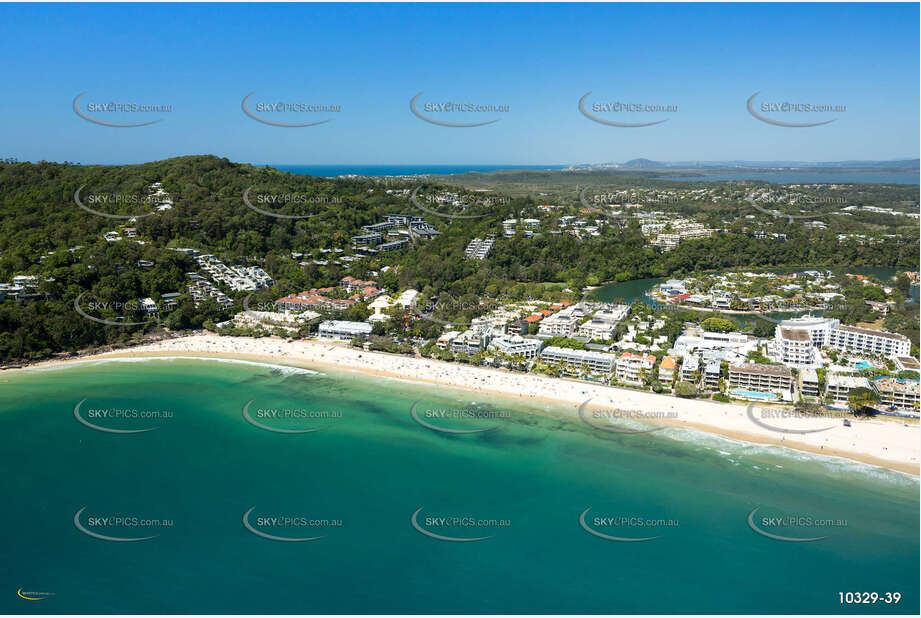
838	387
795	348
597	362
444	342
342	330
817	328
733	347
712	374
667	369
690	365
808	383
868	341
898	393
515	345
470	341
761	378
380	305
630	367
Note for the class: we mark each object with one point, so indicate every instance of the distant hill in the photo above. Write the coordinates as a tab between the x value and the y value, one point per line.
643	164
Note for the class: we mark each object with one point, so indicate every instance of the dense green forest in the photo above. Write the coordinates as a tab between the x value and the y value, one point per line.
44	233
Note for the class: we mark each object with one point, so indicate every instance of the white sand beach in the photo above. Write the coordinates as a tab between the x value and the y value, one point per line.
888	442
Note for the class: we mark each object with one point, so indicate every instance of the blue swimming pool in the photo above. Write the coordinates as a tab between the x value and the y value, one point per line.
741	392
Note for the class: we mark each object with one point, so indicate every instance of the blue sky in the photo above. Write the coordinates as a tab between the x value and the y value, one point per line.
539	60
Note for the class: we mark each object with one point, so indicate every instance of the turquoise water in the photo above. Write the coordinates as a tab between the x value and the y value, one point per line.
753	394
371	466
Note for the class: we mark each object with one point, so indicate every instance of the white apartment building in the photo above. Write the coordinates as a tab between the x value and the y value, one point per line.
598	329
342	330
898	393
514	345
444	342
867	341
613	313
838	387
630	367
689	366
795	348
667	369
597	362
808	383
761	378
469	342
818	328
712	374
558	325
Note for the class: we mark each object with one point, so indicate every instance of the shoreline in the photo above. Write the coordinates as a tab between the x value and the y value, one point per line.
886	443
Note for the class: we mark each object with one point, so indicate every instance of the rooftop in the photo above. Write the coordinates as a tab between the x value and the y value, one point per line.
869	331
899	385
768	370
834	379
795	334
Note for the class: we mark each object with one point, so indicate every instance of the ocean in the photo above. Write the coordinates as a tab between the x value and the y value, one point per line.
210	477
781	177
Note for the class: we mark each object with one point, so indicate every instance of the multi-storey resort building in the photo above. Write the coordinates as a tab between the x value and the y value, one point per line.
868	341
597	362
761	378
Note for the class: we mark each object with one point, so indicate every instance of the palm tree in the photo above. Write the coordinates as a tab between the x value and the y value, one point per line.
860	398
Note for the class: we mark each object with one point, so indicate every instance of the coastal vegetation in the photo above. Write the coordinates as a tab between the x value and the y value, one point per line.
45	234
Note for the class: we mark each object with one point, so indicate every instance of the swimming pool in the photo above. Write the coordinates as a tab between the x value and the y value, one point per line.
741	392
